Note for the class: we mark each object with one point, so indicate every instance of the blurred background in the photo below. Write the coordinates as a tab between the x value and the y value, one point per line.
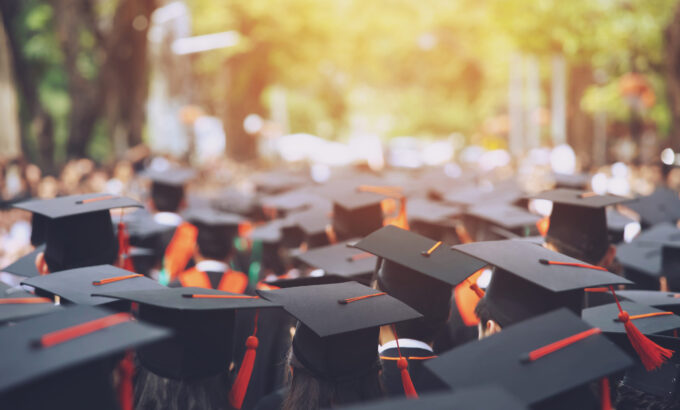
401	82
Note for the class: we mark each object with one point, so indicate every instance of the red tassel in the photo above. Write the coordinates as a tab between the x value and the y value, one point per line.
126	369
240	387
402	364
605	396
651	354
124	260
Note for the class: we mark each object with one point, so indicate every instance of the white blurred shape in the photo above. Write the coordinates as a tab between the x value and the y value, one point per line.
599	183
317	273
159	164
668	156
437	153
563	159
253	123
207	42
630	231
542	207
494	159
210	138
471	154
620	170
452	170
484	279
320	173
369	149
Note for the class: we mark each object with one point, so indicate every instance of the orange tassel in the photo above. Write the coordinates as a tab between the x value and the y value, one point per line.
651	354
126	369
543	226
605	396
240	387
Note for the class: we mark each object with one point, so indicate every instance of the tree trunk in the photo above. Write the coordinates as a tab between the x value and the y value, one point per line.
672	37
10	145
579	122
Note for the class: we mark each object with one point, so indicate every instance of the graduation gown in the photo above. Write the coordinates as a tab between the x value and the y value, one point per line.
423	380
274	401
228	281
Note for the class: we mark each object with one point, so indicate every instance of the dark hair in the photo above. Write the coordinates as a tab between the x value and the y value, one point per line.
630	398
309	392
153	392
166	198
483	312
215	242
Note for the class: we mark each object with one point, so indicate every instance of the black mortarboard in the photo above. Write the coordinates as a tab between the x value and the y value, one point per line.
43	367
292	201
17	304
275	182
339	325
668	301
356	214
342	260
167	187
234	201
79	231
432	219
314	225
616	225
216	231
663	205
25	266
483	397
530	280
642	258
269	232
203	321
510	358
578	223
605	317
306	281
419	271
38	229
505	221
571	181
78	285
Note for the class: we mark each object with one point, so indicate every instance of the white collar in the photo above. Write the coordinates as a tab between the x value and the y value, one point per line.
167	218
405	343
212	266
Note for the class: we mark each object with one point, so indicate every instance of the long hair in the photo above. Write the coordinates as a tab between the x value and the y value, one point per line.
153	392
307	391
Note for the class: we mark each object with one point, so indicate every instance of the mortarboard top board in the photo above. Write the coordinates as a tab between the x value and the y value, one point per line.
505	216
17	304
74	205
663	205
174	177
338	325
290	201
483	397
340	259
644	253
25	265
274	182
306	281
313	225
26	358
203	321
505	359
356	214
269	232
531	280
669	301
211	217
605	317
78	285
428	211
579	198
410	250
235	201
571	181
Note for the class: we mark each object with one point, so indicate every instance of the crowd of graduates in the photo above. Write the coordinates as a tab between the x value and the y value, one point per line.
159	286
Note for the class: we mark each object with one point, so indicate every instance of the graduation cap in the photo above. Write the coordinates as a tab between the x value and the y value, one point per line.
616	225
338	326
506	192
79	228
78	285
203	321
578	223
216	231
314	225
667	301
64	359
418	271
663	205
38	229
505	221
234	201
341	259
484	397
662	382
356	214
17	304
648	320
305	281
293	201
537	360
167	187
530	280
643	258
275	182
571	181
25	265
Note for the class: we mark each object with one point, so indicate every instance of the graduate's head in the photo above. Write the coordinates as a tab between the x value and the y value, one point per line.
167	188
77	230
216	232
421	273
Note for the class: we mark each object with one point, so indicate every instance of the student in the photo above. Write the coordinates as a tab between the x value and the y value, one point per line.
190	371
214	248
51	362
78	230
421	273
333	359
